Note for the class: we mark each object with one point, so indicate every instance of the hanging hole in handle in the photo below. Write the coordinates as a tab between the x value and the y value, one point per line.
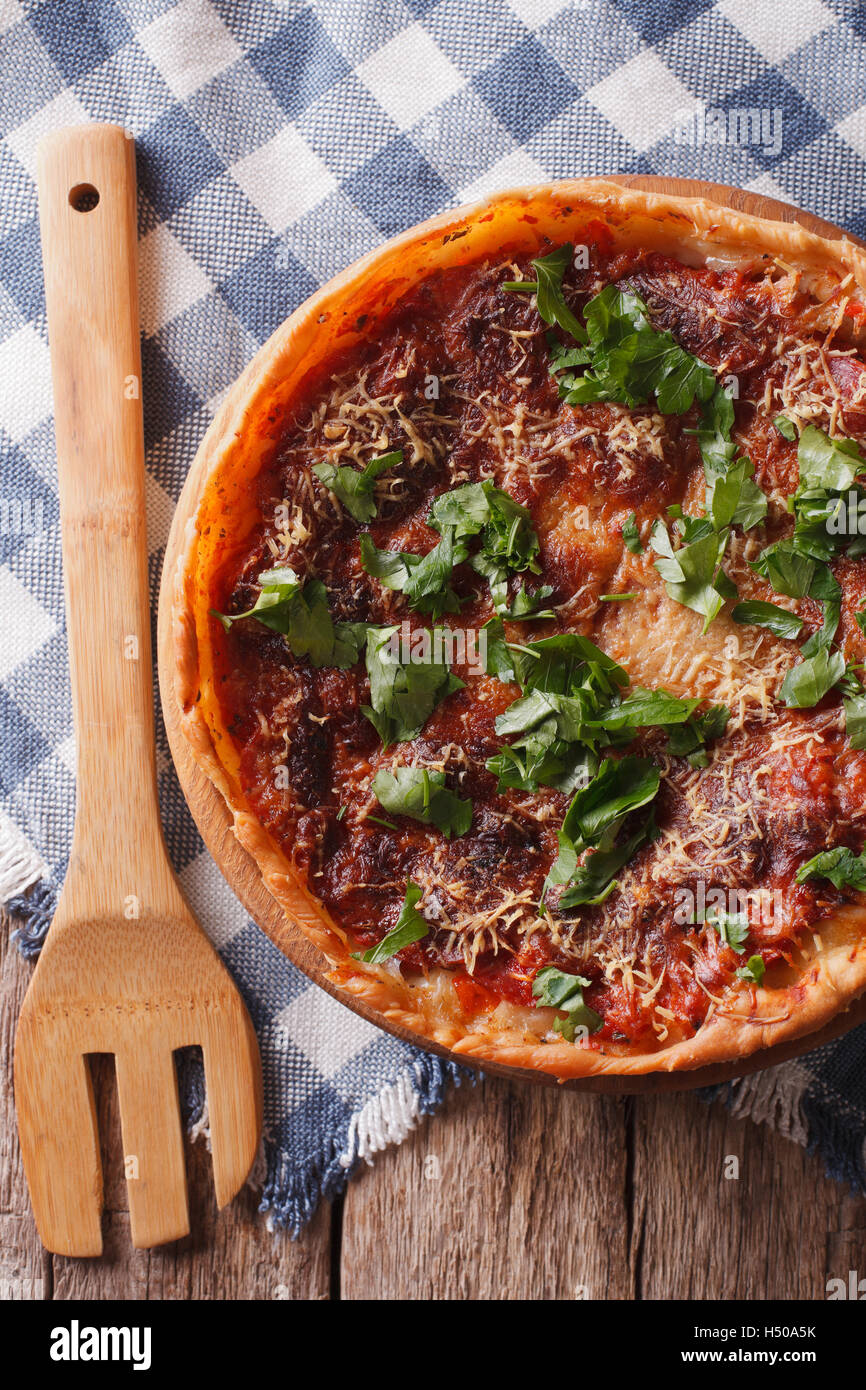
83	197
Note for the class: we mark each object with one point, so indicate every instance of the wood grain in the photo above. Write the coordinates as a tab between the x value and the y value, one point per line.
125	968
514	1192
214	820
596	1197
25	1268
779	1229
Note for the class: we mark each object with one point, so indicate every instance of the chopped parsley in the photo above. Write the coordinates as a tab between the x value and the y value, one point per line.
299	613
631	535
402	695
547	288
424	579
854	703
807	683
753	970
572	705
421	794
798	566
733	928
592	822
566	681
689	739
628	360
554	989
778	620
354	487
841	866
526	605
693	572
508	545
411	926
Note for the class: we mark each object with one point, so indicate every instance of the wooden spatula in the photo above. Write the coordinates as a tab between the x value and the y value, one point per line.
126	968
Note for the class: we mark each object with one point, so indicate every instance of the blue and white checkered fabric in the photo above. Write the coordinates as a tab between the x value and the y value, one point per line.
277	141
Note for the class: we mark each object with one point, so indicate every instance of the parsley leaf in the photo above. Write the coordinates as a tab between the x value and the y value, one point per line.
526	605
402	697
566	681
628	360
733	928
554	989
718	450
828	464
855	719
734	499
642	708
592	821
572	704
299	613
689	739
465	509
798	565
753	970
693	573
421	794
509	543
854	703
841	866
779	621
424	579
499	660
789	571
548	290
355	487
594	880
631	535
410	926
806	684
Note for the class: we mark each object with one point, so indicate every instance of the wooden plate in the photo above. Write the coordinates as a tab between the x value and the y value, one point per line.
214	819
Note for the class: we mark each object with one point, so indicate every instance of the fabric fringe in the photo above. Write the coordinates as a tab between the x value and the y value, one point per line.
33	912
26	892
20	865
290	1198
838	1140
773	1097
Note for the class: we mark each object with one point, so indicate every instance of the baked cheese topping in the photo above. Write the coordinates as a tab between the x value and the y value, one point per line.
469	390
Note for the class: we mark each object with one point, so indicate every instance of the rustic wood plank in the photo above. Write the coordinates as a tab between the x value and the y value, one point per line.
511	1192
25	1268
779	1230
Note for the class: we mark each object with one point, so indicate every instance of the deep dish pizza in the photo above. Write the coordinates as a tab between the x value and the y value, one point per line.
521	626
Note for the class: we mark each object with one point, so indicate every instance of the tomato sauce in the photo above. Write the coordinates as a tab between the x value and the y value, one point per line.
459	378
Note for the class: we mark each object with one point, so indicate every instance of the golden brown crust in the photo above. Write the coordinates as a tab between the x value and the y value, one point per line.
228	458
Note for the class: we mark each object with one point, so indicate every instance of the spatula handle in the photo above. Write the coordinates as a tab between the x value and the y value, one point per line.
86	177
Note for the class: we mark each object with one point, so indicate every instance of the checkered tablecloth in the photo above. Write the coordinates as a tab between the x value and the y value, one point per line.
277	141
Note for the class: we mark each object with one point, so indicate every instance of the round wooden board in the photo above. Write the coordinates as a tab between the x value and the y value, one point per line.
214	820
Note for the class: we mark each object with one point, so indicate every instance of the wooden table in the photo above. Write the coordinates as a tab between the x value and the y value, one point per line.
512	1191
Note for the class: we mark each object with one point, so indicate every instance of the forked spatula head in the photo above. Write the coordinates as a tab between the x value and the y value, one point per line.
139	989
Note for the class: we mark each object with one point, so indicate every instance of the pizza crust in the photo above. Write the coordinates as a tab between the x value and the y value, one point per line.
337	316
